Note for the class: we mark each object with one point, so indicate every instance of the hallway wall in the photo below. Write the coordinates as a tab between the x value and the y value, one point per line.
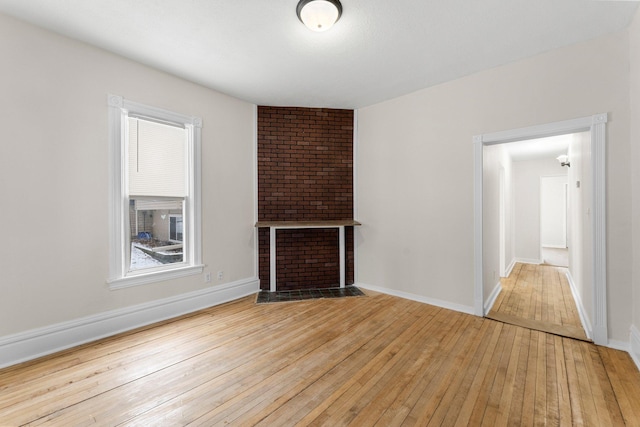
496	159
634	49
580	231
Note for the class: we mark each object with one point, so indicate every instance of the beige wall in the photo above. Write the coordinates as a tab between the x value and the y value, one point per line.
634	33
415	168
54	170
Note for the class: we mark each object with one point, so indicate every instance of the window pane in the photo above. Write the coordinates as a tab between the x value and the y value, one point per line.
156	232
175	228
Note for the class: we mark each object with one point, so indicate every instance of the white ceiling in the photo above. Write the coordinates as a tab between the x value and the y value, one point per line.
541	148
257	50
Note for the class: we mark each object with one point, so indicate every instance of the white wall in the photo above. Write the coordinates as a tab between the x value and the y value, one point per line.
526	186
509	206
491	217
496	162
580	232
415	171
54	177
634	50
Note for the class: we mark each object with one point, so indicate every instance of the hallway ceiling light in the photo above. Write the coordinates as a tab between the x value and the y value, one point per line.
564	160
319	15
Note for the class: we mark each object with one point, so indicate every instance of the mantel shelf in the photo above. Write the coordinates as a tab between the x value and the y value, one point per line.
308	224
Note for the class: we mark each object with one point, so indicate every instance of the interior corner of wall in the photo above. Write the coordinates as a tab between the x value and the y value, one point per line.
493	297
634	347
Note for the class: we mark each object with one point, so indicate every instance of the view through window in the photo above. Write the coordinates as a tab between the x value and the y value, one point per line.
157	191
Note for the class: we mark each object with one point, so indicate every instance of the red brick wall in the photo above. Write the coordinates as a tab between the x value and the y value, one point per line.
305	173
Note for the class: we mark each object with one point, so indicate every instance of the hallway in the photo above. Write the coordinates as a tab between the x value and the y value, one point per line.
538	297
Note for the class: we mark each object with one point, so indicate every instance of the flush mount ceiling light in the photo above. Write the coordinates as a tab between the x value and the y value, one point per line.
319	15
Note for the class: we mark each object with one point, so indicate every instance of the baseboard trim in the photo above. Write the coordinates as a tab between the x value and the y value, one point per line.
618	345
584	319
634	345
492	298
39	342
419	298
528	261
510	267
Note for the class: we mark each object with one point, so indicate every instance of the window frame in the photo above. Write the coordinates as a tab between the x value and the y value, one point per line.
119	275
182	222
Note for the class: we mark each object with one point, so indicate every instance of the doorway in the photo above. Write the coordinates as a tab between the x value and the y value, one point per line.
535	291
554	249
591	256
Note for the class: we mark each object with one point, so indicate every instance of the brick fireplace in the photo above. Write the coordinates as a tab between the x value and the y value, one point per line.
305	173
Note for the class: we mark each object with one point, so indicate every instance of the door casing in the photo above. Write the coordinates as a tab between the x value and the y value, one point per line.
596	125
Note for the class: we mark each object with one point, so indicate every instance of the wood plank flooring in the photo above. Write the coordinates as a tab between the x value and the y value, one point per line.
364	361
538	297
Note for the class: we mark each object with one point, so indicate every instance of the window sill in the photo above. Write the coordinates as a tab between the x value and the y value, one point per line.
156	276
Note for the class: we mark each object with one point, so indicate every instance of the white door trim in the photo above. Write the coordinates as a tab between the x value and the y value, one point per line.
596	124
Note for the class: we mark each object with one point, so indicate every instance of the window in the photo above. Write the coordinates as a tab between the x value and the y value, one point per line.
155	195
175	228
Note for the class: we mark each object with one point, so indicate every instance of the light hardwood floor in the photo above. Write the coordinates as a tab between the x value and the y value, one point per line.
538	297
362	361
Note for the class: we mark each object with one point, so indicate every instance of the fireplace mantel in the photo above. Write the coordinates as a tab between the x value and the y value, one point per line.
307	224
276	225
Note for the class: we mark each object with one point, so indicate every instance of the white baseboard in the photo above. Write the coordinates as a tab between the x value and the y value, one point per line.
492	298
618	345
419	298
634	345
584	319
510	268
529	261
554	246
31	344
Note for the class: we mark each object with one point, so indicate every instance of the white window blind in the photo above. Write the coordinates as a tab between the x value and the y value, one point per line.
156	159
150	205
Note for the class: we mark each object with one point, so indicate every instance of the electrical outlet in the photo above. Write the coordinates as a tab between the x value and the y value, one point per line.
207	277
220	275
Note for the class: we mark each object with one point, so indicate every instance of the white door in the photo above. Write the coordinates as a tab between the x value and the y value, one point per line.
553	211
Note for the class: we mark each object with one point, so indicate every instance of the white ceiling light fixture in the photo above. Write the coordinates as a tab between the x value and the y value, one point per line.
564	160
319	15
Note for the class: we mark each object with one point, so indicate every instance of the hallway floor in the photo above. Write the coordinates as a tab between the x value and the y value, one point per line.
538	297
